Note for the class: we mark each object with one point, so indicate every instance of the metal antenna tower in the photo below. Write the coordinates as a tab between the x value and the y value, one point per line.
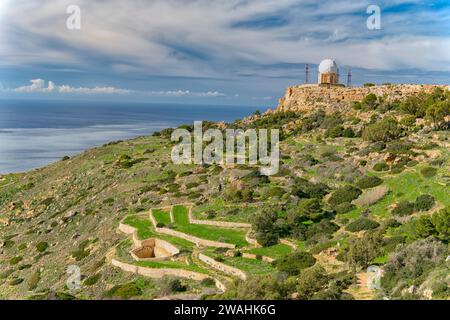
307	74
349	77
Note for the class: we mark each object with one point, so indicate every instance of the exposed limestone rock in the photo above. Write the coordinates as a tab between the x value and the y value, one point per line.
305	98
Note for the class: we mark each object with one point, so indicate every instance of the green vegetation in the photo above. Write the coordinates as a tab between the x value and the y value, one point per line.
355	188
293	263
162	217
181	223
362	224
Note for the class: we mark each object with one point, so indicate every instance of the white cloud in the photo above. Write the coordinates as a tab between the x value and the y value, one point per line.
96	90
184	93
39	86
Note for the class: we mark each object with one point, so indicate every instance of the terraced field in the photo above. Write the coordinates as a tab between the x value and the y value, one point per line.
188	257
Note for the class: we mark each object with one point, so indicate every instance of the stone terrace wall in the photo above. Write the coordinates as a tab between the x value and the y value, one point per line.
159	273
222	267
310	97
197	241
220	224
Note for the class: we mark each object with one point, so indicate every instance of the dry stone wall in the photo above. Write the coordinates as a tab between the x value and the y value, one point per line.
222	267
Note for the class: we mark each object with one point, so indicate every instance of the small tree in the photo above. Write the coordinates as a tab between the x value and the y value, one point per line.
383	131
438	112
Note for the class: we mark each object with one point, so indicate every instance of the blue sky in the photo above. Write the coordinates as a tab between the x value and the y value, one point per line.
213	51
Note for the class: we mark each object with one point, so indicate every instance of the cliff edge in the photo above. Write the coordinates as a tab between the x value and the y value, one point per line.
305	98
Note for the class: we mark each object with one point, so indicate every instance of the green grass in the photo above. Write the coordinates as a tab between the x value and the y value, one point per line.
250	266
170	265
276	251
407	186
232	236
146	231
161	216
122	253
221	208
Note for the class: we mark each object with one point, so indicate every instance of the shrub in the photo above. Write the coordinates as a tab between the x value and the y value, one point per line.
403	208
362	251
92	280
368	182
428	172
424	202
16	282
175	285
41	246
311	281
385	130
344	208
370	101
334	132
411	264
310	207
80	254
160	225
322	230
362	224
125	291
293	263
15	260
344	194
441	222
381	166
305	189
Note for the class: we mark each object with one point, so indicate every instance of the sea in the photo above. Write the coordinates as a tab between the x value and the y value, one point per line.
36	133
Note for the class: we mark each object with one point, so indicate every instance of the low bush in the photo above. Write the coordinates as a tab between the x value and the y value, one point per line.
380	166
428	172
403	208
15	260
344	208
42	246
424	202
344	194
125	291
368	182
92	280
293	263
16	282
362	224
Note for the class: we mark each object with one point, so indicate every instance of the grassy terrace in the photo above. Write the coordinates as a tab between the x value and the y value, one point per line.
276	251
145	231
250	266
225	211
124	248
181	222
161	216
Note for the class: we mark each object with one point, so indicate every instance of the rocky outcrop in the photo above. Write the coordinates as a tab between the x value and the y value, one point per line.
306	98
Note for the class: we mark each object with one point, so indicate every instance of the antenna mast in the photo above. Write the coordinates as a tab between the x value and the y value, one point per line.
307	74
349	77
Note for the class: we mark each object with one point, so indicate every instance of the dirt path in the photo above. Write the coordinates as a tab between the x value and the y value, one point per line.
362	290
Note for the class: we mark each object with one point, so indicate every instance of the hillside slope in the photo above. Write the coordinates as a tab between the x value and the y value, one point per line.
366	186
